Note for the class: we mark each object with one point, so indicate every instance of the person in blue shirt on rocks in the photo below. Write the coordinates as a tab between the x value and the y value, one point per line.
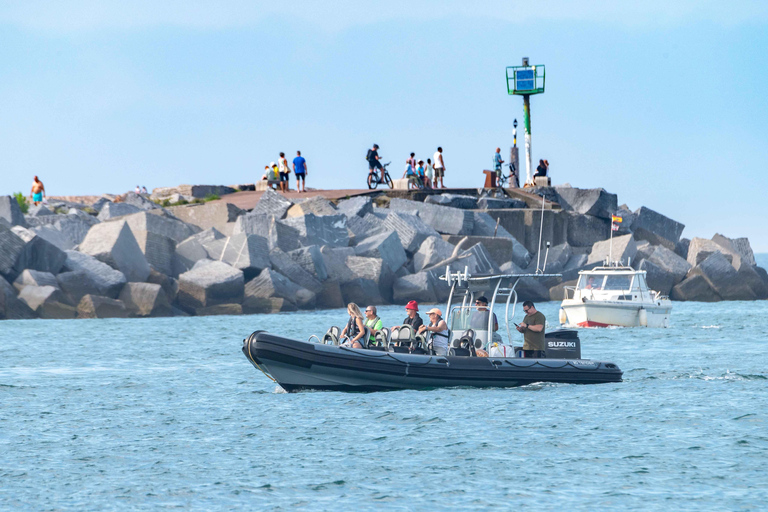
300	170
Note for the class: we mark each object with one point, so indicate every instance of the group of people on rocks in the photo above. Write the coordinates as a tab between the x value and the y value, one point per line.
419	174
141	190
532	327
277	174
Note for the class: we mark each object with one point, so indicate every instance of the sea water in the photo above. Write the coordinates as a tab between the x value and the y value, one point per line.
144	414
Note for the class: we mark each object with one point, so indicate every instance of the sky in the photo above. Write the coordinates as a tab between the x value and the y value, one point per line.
663	103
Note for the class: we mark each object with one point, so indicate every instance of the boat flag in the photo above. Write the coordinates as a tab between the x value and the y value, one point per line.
614	218
614	227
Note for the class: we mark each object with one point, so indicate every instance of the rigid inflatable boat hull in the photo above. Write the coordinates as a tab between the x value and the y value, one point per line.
297	365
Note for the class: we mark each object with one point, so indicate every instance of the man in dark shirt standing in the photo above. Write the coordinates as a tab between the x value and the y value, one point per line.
532	327
373	159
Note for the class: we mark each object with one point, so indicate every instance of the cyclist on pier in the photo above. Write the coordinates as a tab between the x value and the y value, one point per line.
373	159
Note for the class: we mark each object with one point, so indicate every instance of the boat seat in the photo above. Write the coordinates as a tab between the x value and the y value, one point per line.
331	337
466	345
381	340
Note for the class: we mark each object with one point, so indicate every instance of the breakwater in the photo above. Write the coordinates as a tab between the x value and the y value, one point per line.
129	256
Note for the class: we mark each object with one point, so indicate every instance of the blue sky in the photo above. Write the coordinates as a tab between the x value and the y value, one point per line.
663	103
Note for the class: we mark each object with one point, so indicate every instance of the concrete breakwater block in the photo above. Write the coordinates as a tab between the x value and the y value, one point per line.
525	226
695	287
311	259
700	249
158	250
647	220
76	284
624	250
272	203
284	264
271	284
585	230
362	292
316	205
491	203
219	310
161	223
249	253
211	284
335	260
145	299
96	306
480	260
501	249
593	201
192	250
11	308
374	270
411	230
357	206
670	263
35	278
216	214
140	202
364	227
737	246
386	246
418	287
432	251
114	244
47	302
10	212
443	219
110	210
724	279
453	201
65	231
37	254
107	280
321	230
196	191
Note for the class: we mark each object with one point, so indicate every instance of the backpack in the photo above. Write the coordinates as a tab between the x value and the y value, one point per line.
368	155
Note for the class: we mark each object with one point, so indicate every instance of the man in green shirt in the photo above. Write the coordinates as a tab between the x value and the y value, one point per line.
373	322
532	327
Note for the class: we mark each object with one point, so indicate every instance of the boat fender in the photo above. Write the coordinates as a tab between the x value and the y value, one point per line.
642	315
563	316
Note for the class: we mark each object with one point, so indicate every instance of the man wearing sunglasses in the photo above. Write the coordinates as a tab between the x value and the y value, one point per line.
479	319
532	328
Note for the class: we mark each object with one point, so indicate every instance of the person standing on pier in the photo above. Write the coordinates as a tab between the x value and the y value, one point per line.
38	191
439	166
300	170
285	172
497	161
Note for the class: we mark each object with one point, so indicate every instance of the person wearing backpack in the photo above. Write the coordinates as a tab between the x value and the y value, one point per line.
373	159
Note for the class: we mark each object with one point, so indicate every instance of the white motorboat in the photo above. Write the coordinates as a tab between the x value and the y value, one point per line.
614	296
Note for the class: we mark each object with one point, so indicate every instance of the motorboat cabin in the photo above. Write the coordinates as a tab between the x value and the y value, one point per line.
614	296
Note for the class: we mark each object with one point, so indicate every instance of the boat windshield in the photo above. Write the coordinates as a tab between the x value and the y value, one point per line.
639	282
617	282
591	282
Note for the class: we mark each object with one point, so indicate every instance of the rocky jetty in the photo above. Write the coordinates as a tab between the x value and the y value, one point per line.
133	258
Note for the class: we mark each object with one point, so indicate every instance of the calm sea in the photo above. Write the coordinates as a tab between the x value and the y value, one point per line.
168	414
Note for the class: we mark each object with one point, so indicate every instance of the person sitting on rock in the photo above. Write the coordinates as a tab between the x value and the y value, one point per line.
355	327
439	330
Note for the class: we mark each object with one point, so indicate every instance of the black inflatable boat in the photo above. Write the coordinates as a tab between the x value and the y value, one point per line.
299	365
400	359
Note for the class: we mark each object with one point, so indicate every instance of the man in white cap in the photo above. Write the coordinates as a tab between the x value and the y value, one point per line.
439	330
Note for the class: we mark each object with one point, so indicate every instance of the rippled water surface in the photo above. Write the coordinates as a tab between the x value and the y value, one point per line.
168	413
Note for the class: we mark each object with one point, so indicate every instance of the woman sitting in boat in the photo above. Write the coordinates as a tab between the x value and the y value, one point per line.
439	330
355	328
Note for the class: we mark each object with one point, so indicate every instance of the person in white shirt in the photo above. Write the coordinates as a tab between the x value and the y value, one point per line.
439	167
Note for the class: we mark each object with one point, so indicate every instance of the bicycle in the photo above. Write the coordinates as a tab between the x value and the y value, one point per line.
502	180
374	179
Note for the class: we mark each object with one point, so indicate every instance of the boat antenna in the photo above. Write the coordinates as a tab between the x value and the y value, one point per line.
541	231
610	247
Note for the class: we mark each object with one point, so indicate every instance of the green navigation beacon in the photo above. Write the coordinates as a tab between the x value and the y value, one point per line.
526	80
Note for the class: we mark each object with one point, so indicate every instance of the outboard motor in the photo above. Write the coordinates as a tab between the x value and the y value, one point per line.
562	344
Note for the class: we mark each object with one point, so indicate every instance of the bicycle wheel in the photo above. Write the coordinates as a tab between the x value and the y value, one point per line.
373	181
388	180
